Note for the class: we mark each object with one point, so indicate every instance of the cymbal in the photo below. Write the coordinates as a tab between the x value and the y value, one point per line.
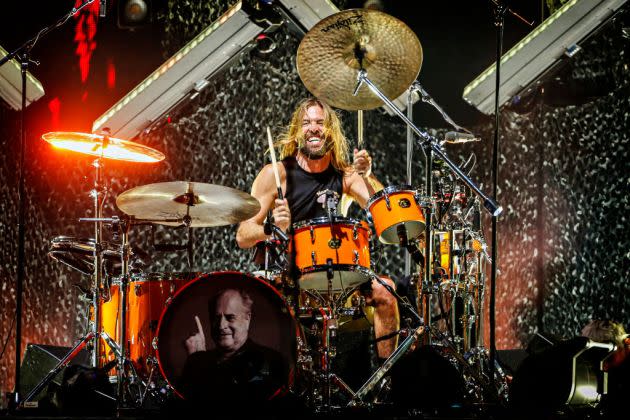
329	58
102	146
193	204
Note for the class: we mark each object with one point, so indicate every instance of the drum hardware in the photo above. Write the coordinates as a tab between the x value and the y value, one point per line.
103	147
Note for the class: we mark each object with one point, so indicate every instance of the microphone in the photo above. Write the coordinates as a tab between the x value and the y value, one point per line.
454	137
476	222
283	236
267	226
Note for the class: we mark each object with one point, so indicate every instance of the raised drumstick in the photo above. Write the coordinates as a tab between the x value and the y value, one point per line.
272	151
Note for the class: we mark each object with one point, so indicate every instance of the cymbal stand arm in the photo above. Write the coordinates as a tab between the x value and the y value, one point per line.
410	97
491	206
122	311
425	97
98	260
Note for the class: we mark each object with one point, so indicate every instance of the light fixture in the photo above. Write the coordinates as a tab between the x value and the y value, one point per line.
540	51
182	76
134	13
11	84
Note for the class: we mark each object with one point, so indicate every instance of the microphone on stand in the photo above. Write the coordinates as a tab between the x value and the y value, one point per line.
455	137
270	228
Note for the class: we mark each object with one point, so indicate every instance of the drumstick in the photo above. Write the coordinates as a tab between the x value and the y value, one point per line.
272	151
360	128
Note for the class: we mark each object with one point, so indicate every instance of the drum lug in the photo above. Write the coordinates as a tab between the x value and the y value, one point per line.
355	232
313	258
312	234
356	256
154	343
137	289
387	203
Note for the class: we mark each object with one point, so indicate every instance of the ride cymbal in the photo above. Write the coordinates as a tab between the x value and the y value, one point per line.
337	47
192	204
103	146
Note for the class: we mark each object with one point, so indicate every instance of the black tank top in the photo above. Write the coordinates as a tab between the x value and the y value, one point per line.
303	188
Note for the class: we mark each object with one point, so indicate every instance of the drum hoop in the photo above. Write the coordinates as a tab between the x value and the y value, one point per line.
337	220
346	267
390	189
298	332
153	276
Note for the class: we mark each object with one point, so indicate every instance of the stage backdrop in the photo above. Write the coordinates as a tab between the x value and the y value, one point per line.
563	248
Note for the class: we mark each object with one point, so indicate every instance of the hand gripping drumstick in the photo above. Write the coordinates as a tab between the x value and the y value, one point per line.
272	151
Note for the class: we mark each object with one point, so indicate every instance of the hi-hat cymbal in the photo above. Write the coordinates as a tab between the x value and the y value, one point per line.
337	47
103	146
193	204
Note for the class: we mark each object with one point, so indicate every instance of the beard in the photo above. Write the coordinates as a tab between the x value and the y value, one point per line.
313	154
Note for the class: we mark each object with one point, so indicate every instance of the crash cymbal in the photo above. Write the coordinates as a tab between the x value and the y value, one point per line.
188	203
102	146
329	58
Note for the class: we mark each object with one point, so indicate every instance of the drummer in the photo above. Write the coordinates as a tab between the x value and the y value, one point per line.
315	159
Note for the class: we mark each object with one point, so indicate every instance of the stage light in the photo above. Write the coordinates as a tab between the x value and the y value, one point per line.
11	84
540	52
183	75
134	13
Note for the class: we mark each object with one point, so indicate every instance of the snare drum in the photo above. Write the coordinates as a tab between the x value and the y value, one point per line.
273	337
147	294
340	250
394	208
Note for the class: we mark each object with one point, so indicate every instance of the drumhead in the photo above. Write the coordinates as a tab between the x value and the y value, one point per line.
272	332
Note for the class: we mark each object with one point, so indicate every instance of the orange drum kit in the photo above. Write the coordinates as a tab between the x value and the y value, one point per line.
139	321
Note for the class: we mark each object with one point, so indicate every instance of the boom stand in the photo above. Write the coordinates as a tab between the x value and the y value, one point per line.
23	53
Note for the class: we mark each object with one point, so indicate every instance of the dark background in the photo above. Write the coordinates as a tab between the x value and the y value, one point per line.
563	243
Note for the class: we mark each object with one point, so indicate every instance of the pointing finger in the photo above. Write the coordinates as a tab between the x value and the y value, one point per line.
199	324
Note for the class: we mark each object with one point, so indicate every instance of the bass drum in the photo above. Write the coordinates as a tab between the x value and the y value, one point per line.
251	340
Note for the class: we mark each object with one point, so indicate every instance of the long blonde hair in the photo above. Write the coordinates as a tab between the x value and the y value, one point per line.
288	140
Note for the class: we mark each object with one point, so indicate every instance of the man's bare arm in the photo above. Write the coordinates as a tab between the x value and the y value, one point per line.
251	230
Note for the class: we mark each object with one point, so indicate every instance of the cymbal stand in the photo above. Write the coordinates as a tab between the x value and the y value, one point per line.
431	147
91	339
430	142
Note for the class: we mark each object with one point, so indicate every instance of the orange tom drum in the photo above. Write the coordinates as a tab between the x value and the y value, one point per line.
147	295
340	250
397	208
